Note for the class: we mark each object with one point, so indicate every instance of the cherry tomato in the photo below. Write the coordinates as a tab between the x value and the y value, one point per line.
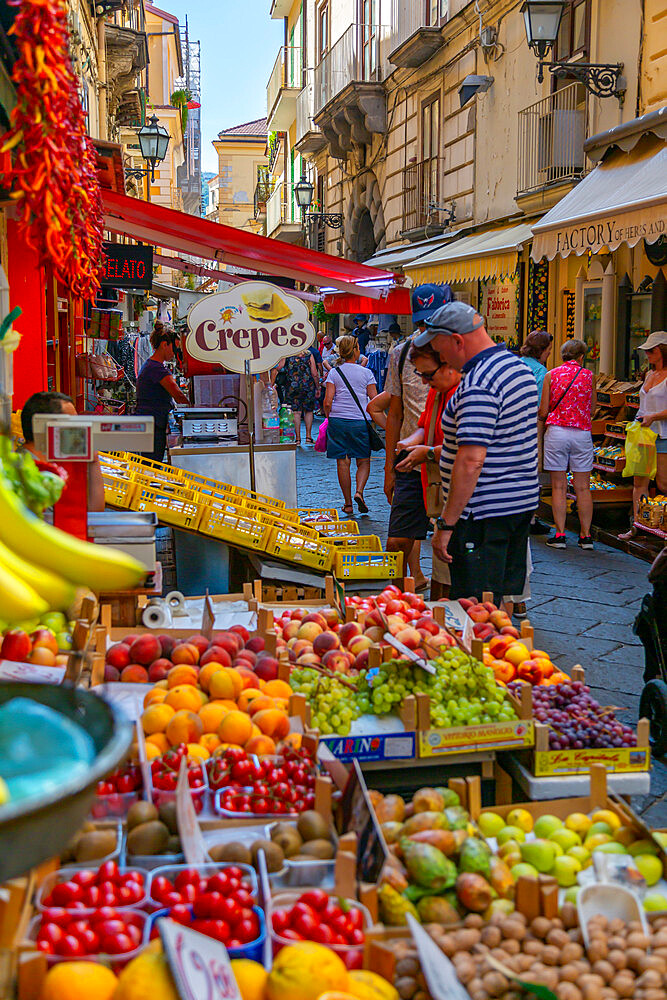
322	934
69	947
181	914
55	915
280	920
305	925
66	893
109	928
135	891
134	934
45	946
84	878
317	899
91	896
220	930
356	936
218	882
116	944
243	897
188	877
354	959
108	872
160	886
301	910
291	935
91	941
104	913
51	933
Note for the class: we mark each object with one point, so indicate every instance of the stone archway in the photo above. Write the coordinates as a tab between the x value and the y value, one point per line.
364	218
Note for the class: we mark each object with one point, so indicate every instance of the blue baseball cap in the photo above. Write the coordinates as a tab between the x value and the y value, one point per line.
427	298
455	317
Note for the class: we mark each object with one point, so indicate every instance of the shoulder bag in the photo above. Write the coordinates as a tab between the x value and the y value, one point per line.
376	442
434	495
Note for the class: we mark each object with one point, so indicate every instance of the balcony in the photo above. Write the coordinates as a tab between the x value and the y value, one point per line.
421	190
283	89
309	138
551	156
263	189
413	40
350	102
283	217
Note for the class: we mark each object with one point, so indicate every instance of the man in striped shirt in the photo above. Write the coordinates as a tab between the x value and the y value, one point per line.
488	461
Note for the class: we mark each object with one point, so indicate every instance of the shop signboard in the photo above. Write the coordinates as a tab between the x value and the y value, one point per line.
620	760
499	309
253	322
516	735
127	265
379	746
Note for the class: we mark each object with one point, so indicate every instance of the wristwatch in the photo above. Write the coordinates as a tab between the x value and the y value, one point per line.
442	525
430	455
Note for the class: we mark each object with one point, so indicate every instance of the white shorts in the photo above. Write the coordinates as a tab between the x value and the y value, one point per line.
567	447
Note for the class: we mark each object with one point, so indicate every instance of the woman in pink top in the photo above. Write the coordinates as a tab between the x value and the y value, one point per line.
567	405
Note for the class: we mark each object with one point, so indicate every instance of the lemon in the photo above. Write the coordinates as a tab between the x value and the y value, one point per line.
596	840
579	822
490	824
606	816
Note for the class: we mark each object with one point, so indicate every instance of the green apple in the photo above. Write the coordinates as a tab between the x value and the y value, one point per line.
566	870
539	853
490	824
610	848
572	893
524	869
510	833
599	828
654	902
565	838
580	853
546	825
55	621
642	847
650	867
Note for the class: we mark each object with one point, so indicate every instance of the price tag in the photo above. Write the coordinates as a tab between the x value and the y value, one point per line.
208	618
359	817
189	830
440	975
199	964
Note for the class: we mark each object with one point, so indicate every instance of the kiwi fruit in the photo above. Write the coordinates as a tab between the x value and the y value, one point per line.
235	852
167	815
148	838
275	859
98	844
174	844
312	826
322	849
289	841
279	828
140	812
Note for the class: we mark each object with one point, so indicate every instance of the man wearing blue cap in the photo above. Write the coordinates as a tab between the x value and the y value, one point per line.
488	461
361	332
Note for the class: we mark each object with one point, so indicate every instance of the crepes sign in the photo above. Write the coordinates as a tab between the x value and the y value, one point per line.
254	321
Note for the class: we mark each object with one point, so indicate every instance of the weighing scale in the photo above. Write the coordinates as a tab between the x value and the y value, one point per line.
72	442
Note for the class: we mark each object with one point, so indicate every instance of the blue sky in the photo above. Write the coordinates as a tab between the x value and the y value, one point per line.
239	44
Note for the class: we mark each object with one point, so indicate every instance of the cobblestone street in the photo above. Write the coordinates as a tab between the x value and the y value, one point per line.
582	607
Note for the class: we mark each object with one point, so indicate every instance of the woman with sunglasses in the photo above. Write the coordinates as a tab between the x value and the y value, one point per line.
423	447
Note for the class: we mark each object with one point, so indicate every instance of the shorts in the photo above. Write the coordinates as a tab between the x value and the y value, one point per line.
408	515
661	446
567	447
489	555
348	438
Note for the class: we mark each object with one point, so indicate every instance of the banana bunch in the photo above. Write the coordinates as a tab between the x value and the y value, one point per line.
41	566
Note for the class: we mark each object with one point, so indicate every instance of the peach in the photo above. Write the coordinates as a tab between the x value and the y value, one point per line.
503	670
256	644
248	678
467	602
357	643
499	618
182	673
159	669
309	631
211	716
302	646
490	606
16	645
241	631
111	673
247	655
498	644
183	652
226	683
348	630
316	617
206	672
184	727
510	630
235	728
361	661
517	653
428	624
324	642
229	641
167	643
331	617
159	741
43	637
272	722
210	742
43	656
199	641
260	745
478	613
297	614
306	659
117	656
291	629
337	662
216	654
375	633
145	649
246	698
260	704
266	668
154	696
374	617
134	674
410	637
184	697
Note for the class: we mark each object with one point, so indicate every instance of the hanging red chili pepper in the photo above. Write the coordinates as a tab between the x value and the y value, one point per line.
53	172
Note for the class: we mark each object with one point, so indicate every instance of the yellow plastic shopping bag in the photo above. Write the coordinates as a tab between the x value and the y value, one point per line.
641	456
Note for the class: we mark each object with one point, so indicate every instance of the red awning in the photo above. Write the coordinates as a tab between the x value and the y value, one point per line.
393	301
189	234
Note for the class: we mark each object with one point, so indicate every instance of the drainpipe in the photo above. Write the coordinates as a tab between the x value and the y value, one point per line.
607	325
102	78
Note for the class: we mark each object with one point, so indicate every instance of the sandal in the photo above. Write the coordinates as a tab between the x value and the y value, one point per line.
348	509
361	503
627	535
309	441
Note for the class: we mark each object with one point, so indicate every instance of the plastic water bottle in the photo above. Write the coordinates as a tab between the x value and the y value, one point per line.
270	422
287	429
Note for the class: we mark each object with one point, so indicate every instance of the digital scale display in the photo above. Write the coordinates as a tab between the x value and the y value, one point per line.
71	442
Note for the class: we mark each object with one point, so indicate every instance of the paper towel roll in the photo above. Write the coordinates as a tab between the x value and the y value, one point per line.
175	601
157	616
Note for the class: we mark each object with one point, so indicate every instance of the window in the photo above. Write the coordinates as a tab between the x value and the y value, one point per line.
574	34
436	12
430	149
322	31
369	38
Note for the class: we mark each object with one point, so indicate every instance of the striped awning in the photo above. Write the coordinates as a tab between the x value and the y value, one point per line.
493	254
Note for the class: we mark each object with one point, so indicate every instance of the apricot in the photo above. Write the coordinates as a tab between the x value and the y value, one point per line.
197	750
247	696
134	674
235	728
185	653
260	704
154	697
186	697
292	740
210	741
226	683
184	727
156	718
261	745
206	672
212	715
158	740
182	674
272	722
152	751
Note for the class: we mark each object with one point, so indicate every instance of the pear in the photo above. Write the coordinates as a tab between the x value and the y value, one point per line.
539	853
546	825
510	833
565	838
642	847
566	870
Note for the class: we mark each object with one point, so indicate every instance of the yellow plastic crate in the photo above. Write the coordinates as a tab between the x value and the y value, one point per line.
330	528
118	492
172	487
235	529
313	514
147	467
356	543
294	545
259	497
243	507
368	565
181	509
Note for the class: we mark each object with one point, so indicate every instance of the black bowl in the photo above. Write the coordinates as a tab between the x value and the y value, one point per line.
34	829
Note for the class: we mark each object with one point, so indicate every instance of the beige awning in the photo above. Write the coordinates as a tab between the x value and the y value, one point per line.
623	200
492	254
398	257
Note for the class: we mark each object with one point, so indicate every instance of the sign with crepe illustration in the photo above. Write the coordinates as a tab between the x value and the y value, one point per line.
253	321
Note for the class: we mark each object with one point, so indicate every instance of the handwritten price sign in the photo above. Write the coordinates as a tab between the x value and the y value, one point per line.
199	964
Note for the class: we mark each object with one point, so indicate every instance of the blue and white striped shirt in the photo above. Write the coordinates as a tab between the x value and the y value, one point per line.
495	407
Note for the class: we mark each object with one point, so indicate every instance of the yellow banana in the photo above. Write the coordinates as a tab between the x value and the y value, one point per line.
18	601
82	563
58	593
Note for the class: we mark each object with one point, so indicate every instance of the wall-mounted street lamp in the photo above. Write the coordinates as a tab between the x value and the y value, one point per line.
542	19
153	143
303	192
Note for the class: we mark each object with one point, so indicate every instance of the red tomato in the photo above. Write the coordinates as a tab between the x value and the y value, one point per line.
188	877
305	925
301	910
189	893
220	930
84	878
354	959
355	918
108	928
107	888
69	947
66	893
317	899
218	883
104	913
135	935
116	944
355	936
46	947
243	897
51	933
108	872
230	910
91	896
135	890
90	941
56	915
172	898
291	935
181	914
207	904
280	920
160	886
323	934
